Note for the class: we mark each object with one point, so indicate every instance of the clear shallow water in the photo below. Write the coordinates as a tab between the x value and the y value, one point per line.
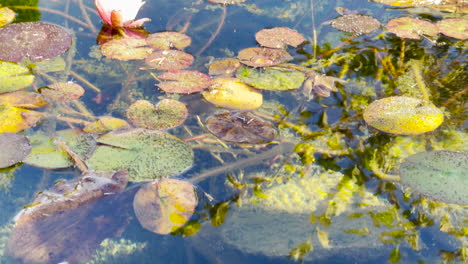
309	192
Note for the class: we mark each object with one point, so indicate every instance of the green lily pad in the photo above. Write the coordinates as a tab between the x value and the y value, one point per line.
62	91
184	81
169	60
14	149
263	57
14	119
147	154
411	28
441	175
6	16
166	114
168	40
46	153
14	77
271	78
403	115
279	37
454	27
126	49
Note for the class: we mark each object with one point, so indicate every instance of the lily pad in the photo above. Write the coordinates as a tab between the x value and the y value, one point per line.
34	41
279	37
319	84
169	60
411	28
184	81
441	175
23	99
106	124
403	115
271	78
240	127
355	23
14	119
227	2
166	114
454	27
126	49
263	57
168	40
6	16
14	149
233	93
14	77
46	153
224	67
457	6
147	154
62	91
164	205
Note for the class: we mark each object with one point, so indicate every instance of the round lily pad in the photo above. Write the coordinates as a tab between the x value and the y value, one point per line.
164	205
105	124
169	60
14	77
271	78
240	127
279	37
233	93
14	149
403	115
14	119
166	114
126	49
454	27
184	81
224	67
168	40
34	41
263	57
6	16
411	28
62	91
441	175
355	23
147	154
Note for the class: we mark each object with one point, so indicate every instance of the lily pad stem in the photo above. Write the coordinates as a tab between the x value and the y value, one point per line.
417	75
216	33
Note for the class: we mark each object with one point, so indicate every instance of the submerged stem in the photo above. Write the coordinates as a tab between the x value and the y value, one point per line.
216	33
422	87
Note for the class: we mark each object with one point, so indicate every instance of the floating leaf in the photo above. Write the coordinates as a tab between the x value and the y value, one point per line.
14	77
6	16
227	2
126	49
233	93
34	41
355	23
164	205
271	78
46	153
403	115
169	60
279	37
458	6
411	28
23	99
14	119
224	67
441	175
105	124
319	84
14	149
168	40
240	127
166	114
262	57
454	27
184	81
55	64
147	154
62	91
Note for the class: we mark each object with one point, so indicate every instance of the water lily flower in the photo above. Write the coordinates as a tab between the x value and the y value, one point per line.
120	13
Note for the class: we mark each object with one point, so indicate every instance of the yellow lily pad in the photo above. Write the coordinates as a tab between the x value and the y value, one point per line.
23	99
233	93
14	77
6	16
403	115
105	124
14	119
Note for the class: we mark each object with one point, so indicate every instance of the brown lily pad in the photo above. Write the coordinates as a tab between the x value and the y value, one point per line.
14	149
184	81
166	114
411	28
169	60
279	37
34	41
168	40
355	23
126	49
240	127
224	67
164	205
454	27
62	91
263	57
23	99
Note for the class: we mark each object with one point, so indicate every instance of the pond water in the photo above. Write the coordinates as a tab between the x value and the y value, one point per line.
310	181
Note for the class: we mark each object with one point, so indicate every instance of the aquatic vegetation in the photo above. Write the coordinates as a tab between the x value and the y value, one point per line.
279	37
355	23
14	77
411	28
166	114
14	149
233	93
